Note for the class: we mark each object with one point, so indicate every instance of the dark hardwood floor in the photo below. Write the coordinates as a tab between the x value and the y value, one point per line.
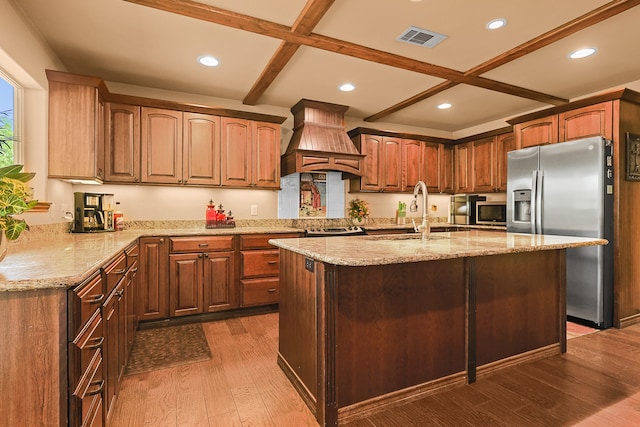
596	383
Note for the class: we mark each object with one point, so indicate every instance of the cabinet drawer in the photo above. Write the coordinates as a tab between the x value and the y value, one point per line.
260	263
261	241
85	300
86	399
114	272
201	244
132	255
84	347
260	291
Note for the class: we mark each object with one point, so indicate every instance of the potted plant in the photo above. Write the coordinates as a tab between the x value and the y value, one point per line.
15	195
358	211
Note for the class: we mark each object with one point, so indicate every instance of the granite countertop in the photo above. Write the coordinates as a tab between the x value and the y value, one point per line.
434	226
68	259
398	249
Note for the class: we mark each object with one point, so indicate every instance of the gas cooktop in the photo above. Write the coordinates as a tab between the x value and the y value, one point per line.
353	230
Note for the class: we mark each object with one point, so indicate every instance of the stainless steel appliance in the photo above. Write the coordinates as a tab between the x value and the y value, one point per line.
93	212
491	213
567	189
463	209
353	230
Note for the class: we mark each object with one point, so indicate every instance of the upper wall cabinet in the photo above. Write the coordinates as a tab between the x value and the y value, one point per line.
126	139
76	123
122	146
250	153
463	165
537	132
504	143
481	165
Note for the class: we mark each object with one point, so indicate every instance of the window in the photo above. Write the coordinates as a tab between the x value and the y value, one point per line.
9	147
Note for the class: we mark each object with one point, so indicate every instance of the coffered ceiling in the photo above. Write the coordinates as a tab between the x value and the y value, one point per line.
277	52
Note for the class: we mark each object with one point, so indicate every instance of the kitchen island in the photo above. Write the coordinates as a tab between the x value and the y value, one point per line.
368	322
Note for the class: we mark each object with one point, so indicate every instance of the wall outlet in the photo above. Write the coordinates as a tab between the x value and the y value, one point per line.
254	210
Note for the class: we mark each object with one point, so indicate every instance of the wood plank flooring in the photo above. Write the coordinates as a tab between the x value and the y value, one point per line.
596	383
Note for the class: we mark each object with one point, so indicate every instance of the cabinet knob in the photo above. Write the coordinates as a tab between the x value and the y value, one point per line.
271	290
162	240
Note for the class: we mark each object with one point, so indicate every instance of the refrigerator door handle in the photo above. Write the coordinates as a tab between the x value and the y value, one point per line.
534	200
539	187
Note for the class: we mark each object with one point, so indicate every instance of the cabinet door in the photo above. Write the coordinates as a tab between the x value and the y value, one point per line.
594	120
161	144
74	123
463	165
447	169
185	284
218	283
537	132
236	152
371	147
413	164
201	149
432	166
504	144
392	164
112	319
483	170
266	155
152	292
122	143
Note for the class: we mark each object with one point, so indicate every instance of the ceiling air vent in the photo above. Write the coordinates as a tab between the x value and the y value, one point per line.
420	37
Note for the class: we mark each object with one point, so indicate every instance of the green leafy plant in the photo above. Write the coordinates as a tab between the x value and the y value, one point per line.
15	198
358	209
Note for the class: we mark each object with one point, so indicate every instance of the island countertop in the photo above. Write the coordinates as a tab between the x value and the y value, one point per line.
398	249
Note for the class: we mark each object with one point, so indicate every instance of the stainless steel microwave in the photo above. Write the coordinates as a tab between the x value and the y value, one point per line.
491	213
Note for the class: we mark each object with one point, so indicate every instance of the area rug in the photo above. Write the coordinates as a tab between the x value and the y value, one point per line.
169	346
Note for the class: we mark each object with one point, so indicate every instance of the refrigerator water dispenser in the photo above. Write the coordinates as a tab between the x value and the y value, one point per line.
522	205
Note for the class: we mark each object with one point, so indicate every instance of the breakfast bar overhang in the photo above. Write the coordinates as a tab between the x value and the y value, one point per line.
372	321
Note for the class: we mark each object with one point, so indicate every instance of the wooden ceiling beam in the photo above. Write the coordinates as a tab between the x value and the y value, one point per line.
588	19
312	13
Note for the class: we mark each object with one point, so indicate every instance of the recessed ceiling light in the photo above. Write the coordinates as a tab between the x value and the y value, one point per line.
581	53
208	60
496	23
346	87
444	106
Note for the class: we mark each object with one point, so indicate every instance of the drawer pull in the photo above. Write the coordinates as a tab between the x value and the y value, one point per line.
120	292
203	245
271	290
98	390
97	299
119	272
134	270
134	255
97	343
272	262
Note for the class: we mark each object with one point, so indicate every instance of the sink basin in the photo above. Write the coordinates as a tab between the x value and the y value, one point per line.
408	236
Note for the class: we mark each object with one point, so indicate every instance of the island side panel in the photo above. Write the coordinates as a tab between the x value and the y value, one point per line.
397	326
298	341
520	304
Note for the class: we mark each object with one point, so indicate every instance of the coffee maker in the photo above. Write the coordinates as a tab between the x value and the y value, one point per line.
93	212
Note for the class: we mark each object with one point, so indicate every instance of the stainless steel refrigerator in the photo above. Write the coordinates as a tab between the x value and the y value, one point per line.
567	189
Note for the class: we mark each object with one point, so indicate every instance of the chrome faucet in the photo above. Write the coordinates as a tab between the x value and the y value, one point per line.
424	227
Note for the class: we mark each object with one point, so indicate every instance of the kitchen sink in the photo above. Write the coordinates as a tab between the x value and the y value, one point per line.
408	236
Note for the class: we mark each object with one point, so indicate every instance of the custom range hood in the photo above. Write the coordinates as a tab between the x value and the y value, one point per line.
319	141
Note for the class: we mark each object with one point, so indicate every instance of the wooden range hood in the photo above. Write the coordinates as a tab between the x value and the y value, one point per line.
319	141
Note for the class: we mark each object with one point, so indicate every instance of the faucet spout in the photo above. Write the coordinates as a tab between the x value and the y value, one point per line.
424	227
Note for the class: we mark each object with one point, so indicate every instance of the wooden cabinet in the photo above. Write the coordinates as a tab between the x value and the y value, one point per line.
593	120
122	143
152	292
382	169
85	354
161	146
200	149
447	170
504	143
250	153
413	163
201	278
483	170
76	129
130	285
537	132
463	165
260	269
